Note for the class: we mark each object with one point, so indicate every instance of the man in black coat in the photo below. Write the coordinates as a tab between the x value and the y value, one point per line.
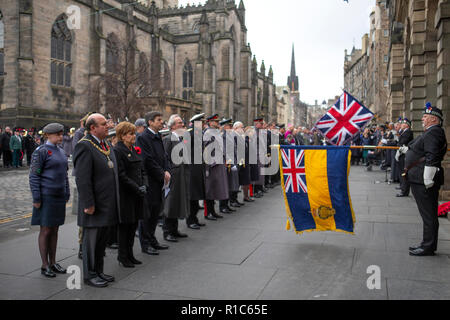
426	175
4	142
98	204
197	181
405	138
156	164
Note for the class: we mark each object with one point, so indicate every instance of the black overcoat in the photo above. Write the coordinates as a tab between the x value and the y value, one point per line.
432	145
197	180
97	184
131	177
156	162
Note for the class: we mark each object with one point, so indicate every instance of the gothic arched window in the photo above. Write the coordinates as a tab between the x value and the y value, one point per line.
2	45
188	76
61	53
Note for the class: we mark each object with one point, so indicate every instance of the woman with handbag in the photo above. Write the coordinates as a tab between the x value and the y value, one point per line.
49	185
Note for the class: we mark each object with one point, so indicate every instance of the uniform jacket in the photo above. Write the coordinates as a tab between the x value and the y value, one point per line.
15	143
131	177
405	138
4	141
156	162
97	184
29	144
176	205
48	173
432	145
216	180
197	175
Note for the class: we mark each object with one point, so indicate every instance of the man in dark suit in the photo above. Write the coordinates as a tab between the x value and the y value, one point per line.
405	138
97	182
423	160
156	164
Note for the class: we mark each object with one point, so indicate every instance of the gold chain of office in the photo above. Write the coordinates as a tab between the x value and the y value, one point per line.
105	152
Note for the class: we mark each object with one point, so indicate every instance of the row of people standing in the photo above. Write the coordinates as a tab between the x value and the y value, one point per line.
17	145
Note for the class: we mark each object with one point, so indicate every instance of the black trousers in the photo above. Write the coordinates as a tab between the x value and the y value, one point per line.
427	202
234	196
112	235
7	158
147	228
94	244
223	204
258	188
210	206
170	226
194	207
126	234
404	184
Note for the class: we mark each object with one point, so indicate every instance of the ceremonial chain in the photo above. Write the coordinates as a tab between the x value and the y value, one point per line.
106	153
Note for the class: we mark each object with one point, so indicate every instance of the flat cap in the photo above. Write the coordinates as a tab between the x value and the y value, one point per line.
214	117
140	123
197	117
226	121
53	128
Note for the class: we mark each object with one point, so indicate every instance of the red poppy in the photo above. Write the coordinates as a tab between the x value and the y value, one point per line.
138	150
49	152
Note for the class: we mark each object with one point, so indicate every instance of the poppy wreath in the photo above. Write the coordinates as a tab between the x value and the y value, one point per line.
138	150
49	152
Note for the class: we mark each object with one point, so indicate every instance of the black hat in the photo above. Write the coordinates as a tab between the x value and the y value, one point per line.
53	128
214	117
226	121
429	109
198	117
281	126
407	121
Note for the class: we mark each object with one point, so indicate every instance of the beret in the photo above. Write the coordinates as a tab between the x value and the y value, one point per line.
53	128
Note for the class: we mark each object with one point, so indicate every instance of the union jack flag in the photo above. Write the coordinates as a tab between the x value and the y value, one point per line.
344	120
294	170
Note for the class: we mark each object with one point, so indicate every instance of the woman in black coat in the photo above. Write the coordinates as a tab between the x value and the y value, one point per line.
133	187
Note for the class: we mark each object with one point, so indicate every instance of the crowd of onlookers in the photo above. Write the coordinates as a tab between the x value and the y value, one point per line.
18	144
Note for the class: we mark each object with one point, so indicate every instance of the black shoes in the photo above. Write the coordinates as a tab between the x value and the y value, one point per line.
210	217
194	226
240	203
151	251
201	224
230	209
125	263
225	210
180	235
415	248
170	238
218	216
48	272
58	269
420	252
96	282
134	260
235	205
401	195
249	200
106	277
160	246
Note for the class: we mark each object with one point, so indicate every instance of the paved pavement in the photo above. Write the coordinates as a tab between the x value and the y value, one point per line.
249	255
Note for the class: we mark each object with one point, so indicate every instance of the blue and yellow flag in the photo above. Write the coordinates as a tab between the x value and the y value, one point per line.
315	188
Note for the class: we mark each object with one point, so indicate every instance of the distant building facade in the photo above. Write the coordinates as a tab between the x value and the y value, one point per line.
198	54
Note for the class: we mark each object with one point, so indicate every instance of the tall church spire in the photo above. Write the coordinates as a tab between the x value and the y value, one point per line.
293	78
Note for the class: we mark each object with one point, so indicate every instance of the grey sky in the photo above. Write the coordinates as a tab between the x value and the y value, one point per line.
320	29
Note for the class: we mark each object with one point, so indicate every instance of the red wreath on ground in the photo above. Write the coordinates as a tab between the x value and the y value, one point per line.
443	209
138	150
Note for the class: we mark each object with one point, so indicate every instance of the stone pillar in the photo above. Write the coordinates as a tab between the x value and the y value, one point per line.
25	59
396	64
442	24
417	64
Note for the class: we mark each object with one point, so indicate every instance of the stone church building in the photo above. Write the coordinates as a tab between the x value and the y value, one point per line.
199	57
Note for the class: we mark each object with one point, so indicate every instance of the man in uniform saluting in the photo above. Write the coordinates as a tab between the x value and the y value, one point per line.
426	175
